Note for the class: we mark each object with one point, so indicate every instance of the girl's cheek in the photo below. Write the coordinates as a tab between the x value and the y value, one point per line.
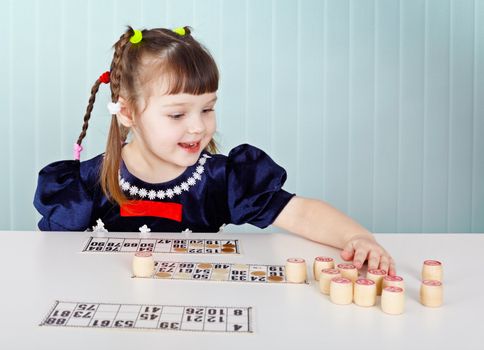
213	125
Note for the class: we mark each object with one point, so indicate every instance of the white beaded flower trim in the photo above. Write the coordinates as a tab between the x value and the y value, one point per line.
170	192
99	228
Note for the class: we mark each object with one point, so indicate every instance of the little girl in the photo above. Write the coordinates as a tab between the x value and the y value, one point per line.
169	175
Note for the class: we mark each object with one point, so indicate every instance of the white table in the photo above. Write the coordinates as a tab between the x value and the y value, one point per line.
41	267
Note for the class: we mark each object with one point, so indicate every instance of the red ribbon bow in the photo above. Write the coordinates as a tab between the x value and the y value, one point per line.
165	210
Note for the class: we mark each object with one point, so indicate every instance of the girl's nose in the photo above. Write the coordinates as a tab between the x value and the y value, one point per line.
196	124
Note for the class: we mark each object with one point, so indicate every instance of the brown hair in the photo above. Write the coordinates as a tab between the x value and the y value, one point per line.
186	65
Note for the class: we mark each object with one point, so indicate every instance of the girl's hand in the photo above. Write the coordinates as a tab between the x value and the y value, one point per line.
363	248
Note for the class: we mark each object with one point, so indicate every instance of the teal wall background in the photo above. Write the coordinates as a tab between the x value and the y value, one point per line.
376	106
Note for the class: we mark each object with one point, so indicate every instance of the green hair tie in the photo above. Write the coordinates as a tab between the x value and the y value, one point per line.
137	36
180	31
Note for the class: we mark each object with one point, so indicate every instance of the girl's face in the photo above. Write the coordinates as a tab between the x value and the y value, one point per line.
173	130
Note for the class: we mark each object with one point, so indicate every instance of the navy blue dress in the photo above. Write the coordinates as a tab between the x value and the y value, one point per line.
243	187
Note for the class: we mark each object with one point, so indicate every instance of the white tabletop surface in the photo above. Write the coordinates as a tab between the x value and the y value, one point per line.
41	267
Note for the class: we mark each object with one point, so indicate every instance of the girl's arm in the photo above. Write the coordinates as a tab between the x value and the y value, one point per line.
319	222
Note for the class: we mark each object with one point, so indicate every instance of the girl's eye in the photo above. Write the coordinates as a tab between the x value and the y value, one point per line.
178	116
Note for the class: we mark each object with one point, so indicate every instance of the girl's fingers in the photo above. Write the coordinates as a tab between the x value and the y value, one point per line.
384	263
391	270
360	257
361	250
373	260
348	252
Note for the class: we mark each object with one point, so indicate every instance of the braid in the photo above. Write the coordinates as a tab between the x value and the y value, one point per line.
89	108
116	70
117	134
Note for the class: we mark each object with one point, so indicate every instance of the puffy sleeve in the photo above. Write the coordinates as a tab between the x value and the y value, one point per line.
254	192
62	198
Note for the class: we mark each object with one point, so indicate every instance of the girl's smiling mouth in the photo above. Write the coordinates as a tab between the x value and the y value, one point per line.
191	147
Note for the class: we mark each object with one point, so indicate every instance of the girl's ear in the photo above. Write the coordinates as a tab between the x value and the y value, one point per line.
125	115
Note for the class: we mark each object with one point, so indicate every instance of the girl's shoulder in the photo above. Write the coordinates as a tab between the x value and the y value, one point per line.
86	171
253	184
90	169
65	192
248	162
243	153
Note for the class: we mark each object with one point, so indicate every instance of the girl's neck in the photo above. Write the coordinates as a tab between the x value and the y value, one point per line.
148	168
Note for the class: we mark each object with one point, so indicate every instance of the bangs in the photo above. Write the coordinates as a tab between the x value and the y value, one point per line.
190	75
182	69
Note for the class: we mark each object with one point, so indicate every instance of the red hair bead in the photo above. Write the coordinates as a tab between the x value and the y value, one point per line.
104	78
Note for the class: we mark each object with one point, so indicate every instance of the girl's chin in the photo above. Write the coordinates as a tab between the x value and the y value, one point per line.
185	158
